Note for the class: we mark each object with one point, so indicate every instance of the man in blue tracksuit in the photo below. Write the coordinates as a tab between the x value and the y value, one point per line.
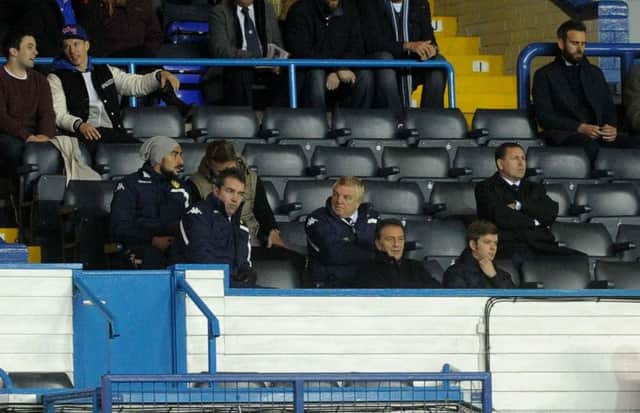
147	205
341	235
213	233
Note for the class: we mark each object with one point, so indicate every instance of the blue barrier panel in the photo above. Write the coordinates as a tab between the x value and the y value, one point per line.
627	52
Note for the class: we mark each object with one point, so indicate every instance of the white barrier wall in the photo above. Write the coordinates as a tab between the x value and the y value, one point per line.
36	327
547	356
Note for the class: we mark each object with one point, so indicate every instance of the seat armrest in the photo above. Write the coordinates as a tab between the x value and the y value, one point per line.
113	248
26	169
532	285
316	170
290	207
579	209
603	173
601	285
388	171
339	133
269	133
458	172
67	210
623	246
412	246
481	135
410	135
534	172
432	209
102	169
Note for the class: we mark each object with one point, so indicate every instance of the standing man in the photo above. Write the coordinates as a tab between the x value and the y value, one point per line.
329	29
401	29
388	268
631	95
147	205
26	112
572	100
341	235
520	209
213	233
243	29
475	268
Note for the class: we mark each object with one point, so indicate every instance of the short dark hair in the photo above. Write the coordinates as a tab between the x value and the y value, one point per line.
501	151
229	173
568	26
481	228
390	222
221	151
13	40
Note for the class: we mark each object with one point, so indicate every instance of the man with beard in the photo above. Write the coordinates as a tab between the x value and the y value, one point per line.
147	205
572	100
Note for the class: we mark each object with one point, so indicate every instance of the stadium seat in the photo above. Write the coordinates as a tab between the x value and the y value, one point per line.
558	163
505	124
273	197
629	234
474	164
611	200
276	160
377	147
508	266
526	144
187	31
113	161
440	240
345	161
557	273
618	164
432	163
224	122
589	238
277	273
303	197
435	269
294	236
37	159
146	122
192	154
440	124
623	275
402	200
559	193
371	124
287	123
452	199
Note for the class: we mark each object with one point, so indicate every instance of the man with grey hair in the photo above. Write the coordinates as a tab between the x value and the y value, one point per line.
147	205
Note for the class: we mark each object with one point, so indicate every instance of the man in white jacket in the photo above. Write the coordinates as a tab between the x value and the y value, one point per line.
86	95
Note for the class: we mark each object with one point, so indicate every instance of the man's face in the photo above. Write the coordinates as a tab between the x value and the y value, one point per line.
172	164
76	51
231	194
485	247
332	4
25	55
391	241
217	167
514	164
573	47
345	200
244	3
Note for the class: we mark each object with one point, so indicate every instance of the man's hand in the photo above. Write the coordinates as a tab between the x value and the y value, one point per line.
38	138
333	81
486	265
169	77
592	131
512	205
89	132
162	243
608	133
424	50
274	239
347	76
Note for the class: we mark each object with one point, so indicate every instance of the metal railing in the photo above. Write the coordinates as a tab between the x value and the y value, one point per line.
627	52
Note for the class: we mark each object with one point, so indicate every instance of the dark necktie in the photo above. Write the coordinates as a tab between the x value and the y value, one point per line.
250	34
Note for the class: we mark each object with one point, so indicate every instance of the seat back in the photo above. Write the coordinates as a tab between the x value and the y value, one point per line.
226	122
146	122
559	193
90	197
44	159
629	233
481	161
276	159
622	163
623	275
560	162
277	273
192	154
591	239
505	124
458	199
312	194
305	123
437	123
417	162
118	159
401	199
345	161
558	273
438	238
377	124
610	200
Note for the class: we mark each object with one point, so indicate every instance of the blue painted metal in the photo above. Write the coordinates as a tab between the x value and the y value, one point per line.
627	52
8	383
49	400
298	396
11	253
613	25
111	319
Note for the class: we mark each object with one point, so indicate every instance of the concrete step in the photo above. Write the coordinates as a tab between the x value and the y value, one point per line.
458	45
444	25
466	84
487	65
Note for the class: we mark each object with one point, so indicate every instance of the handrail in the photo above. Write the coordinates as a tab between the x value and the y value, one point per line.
627	52
291	64
213	326
111	319
49	400
7	383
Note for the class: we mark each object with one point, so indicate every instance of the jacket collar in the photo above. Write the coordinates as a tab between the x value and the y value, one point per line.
61	63
363	209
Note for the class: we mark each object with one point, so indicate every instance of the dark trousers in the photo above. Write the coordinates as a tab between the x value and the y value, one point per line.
108	135
11	149
238	86
592	146
314	90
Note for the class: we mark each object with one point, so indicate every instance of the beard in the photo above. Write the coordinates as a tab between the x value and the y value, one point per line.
572	58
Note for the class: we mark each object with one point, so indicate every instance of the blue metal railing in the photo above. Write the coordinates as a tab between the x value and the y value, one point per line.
7	383
111	319
627	52
290	64
72	396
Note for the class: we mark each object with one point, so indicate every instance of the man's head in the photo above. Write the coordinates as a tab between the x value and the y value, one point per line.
229	188
482	237
164	155
511	161
220	155
572	39
20	49
75	45
390	237
346	196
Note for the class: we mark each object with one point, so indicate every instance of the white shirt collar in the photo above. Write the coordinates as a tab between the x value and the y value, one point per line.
354	218
239	8
397	7
516	183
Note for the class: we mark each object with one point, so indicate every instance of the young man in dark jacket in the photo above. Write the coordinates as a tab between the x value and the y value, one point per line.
341	235
475	268
389	269
213	233
147	205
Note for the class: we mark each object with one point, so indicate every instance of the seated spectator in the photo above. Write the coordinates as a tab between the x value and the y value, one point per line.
328	29
474	268
147	205
341	235
632	99
26	111
86	96
256	213
244	29
388	268
121	28
520	209
45	19
385	37
213	233
572	100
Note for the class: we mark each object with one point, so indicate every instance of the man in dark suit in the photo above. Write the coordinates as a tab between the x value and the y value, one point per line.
401	29
521	210
572	100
